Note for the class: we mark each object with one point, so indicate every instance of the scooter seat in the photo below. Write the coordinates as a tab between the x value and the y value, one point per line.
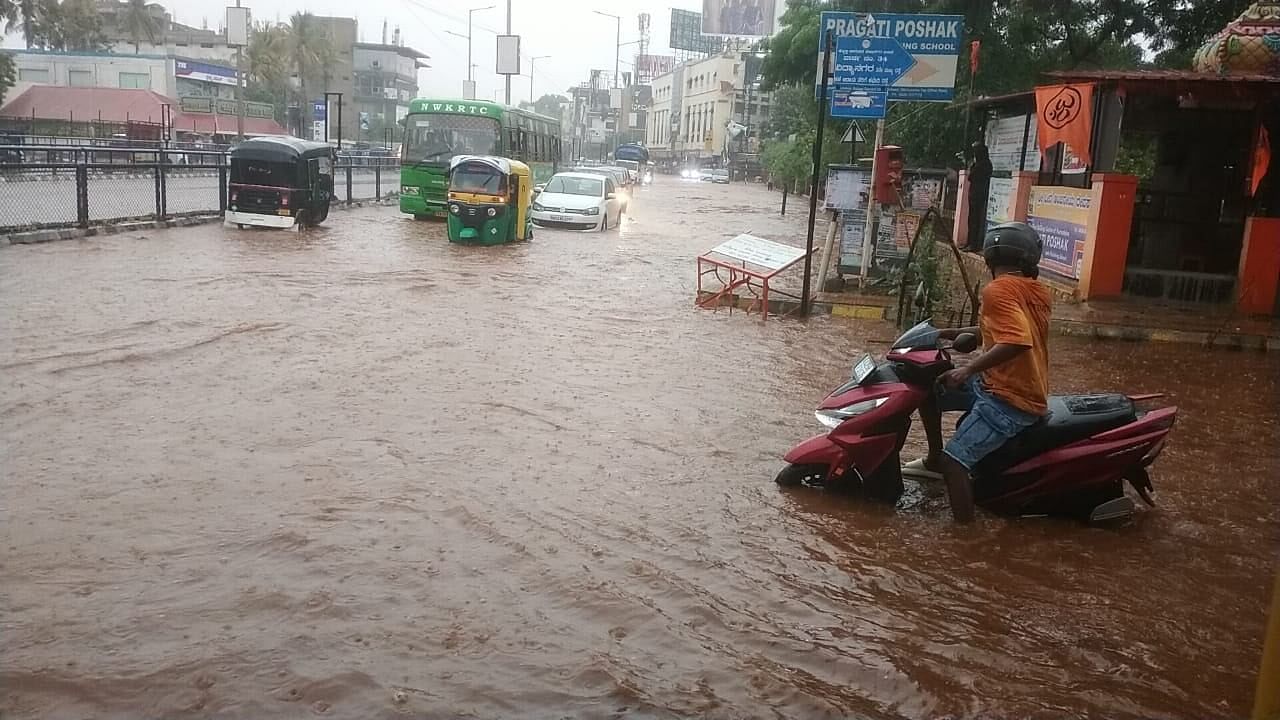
1071	418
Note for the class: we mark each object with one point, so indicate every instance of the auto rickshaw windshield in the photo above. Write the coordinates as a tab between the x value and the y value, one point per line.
478	179
262	172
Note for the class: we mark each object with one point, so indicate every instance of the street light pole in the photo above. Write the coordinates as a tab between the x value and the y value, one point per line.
508	77
617	77
533	60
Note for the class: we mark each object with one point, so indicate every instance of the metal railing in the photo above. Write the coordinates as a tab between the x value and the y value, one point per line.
64	187
1179	286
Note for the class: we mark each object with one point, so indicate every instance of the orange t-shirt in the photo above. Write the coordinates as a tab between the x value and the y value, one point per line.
1015	311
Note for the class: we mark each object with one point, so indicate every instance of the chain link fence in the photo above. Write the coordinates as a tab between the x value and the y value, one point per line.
44	187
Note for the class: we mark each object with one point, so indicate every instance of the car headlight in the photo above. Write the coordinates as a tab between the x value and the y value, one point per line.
833	418
493	212
538	208
591	211
408	190
454	209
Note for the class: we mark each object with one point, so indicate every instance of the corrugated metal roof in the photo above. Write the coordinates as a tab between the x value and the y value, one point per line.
48	102
1162	76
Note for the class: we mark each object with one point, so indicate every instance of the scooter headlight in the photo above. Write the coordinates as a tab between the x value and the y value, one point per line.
833	418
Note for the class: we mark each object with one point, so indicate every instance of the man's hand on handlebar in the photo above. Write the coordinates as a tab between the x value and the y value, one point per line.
955	377
953	333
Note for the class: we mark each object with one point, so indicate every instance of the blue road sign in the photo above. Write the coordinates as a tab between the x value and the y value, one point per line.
870	61
318	109
933	40
856	103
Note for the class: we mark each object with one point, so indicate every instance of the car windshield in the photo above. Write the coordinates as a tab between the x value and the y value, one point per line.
261	172
474	178
437	138
576	186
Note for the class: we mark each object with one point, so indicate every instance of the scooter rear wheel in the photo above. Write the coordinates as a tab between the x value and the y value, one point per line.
793	475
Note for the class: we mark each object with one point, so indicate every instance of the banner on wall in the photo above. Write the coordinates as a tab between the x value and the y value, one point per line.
1064	114
1061	216
998	202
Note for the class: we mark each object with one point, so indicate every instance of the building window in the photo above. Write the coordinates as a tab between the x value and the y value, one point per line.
80	78
135	81
33	75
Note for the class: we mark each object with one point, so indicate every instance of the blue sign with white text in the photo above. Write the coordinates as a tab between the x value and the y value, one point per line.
870	62
855	103
933	42
319	109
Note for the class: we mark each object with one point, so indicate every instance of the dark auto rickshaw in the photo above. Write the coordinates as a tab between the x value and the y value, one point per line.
489	200
280	182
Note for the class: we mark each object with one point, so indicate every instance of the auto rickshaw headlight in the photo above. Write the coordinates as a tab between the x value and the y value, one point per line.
454	209
493	212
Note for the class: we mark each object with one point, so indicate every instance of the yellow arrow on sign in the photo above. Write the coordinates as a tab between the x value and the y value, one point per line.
920	71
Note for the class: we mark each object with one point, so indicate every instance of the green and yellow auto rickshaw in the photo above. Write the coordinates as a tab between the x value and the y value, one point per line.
489	200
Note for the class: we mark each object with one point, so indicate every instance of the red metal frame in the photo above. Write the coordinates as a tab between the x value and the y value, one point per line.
741	276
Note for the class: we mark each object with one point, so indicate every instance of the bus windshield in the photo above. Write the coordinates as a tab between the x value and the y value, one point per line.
437	138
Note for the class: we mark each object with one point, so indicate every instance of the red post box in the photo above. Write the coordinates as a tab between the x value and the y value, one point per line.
888	180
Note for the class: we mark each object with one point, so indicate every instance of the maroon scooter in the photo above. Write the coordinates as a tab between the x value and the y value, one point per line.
1074	462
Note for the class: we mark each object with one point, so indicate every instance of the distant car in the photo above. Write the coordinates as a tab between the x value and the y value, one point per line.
706	175
579	201
621	179
720	176
690	174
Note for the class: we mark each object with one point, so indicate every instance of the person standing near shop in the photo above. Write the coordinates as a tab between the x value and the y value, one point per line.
979	179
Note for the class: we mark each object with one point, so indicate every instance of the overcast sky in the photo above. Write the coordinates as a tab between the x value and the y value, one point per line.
576	38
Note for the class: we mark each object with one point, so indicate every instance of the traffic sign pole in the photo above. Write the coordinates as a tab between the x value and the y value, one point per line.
867	237
813	184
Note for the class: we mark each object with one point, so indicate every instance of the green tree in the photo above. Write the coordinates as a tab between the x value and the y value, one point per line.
8	73
140	24
309	45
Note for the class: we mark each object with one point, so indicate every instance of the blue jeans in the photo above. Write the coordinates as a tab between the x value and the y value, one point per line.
991	422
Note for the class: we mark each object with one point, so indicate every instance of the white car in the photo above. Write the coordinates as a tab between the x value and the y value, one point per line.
578	201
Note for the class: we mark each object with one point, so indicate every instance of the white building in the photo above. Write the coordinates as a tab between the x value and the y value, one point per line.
171	76
693	105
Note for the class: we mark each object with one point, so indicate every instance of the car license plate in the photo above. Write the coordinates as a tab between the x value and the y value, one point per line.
560	218
864	368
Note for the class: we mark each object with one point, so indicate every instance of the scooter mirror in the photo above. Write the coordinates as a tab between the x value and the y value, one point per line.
965	343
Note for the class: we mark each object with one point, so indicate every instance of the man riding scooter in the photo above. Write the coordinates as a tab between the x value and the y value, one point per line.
1004	389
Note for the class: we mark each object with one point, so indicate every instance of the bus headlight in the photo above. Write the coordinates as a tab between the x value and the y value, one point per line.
493	212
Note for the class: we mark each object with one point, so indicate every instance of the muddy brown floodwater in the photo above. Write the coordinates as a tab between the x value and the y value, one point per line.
361	473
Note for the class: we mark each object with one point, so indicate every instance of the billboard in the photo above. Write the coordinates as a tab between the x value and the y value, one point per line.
508	55
204	72
654	65
1061	216
921	52
738	18
686	33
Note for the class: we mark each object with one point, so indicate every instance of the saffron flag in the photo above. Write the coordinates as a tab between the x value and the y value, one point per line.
1064	113
1261	159
975	47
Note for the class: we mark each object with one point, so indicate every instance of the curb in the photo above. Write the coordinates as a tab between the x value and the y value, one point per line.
33	237
1073	328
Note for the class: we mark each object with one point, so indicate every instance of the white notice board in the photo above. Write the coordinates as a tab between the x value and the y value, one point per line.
758	251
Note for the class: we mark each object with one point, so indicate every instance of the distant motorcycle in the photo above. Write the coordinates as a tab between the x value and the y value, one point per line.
1074	462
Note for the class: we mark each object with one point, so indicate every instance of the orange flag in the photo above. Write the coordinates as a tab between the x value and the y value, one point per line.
1064	113
1261	159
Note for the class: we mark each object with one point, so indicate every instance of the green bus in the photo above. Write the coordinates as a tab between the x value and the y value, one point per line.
437	130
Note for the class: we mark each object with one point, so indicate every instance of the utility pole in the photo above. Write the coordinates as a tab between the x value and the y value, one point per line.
617	77
533	60
508	77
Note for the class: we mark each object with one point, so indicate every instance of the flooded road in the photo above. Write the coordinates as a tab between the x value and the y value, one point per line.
360	472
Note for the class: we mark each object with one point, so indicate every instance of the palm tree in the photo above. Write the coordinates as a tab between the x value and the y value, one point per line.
309	47
139	23
269	57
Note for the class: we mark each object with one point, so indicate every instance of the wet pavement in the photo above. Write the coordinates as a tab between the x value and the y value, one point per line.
360	472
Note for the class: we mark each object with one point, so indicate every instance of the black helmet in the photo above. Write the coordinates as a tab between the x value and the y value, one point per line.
1012	244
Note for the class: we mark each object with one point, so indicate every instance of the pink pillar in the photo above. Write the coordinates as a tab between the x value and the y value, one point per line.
1023	180
960	228
1106	246
1258	280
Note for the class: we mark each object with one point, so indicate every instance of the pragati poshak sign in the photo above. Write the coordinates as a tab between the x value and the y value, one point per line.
932	40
